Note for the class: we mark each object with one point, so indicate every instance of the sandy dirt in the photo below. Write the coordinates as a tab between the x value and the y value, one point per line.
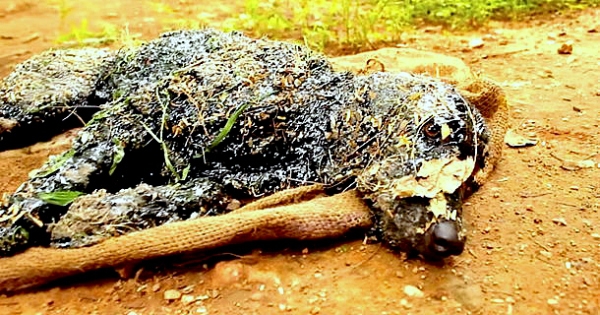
534	236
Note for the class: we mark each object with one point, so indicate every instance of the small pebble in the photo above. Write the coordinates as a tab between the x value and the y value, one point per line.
413	291
552	301
172	295
566	48
187	299
405	304
257	296
476	43
546	253
560	221
596	236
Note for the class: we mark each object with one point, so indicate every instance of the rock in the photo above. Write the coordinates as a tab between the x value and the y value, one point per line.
156	287
515	140
571	165
227	273
413	291
257	296
560	221
405	304
566	48
552	302
476	43
596	236
172	295
187	299
187	289
546	253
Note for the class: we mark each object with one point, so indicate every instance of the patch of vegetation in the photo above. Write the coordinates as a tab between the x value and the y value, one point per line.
82	35
363	24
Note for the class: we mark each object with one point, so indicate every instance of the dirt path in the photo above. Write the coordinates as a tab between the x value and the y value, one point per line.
534	244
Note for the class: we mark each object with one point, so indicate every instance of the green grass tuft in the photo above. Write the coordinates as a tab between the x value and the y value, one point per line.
82	35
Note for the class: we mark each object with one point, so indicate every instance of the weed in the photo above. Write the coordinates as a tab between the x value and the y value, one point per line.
64	8
81	35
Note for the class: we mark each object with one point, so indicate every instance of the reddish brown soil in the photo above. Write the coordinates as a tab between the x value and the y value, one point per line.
534	244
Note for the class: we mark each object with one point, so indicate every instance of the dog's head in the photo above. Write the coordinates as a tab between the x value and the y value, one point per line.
430	143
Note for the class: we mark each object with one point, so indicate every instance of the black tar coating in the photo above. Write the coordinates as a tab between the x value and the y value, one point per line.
292	121
37	99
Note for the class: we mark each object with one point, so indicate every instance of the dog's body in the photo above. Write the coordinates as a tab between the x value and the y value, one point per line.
196	119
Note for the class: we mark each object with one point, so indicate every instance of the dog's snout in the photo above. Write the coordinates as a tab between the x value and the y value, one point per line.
443	240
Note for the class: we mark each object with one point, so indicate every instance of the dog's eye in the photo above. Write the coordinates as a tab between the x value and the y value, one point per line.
431	130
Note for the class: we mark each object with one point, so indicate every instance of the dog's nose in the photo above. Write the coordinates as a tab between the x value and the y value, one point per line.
443	240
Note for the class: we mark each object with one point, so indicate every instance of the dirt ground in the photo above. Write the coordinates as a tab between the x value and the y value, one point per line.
534	236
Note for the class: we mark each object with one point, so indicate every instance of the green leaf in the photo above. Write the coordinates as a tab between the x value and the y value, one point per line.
118	155
168	161
185	172
60	198
227	128
55	165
